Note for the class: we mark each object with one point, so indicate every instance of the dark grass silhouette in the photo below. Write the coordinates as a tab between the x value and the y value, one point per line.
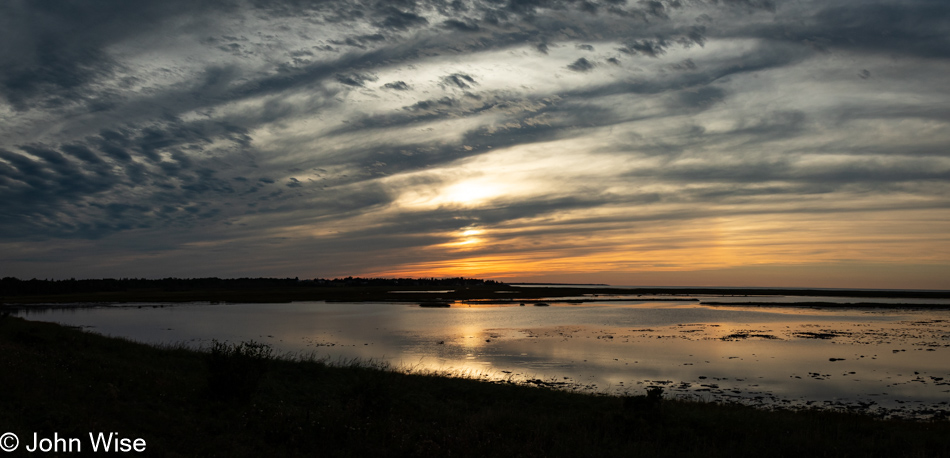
235	371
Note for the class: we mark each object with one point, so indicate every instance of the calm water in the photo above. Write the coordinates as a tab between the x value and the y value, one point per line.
886	361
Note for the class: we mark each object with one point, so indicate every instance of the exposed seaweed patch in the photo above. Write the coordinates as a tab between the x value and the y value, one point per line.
746	335
823	334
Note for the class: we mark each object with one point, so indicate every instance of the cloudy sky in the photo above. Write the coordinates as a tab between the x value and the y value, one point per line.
674	142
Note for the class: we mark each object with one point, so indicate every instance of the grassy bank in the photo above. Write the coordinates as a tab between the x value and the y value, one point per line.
239	401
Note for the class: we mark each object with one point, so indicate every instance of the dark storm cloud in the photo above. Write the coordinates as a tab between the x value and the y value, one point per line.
658	45
531	119
54	53
63	70
397	86
651	48
581	65
753	61
654	8
281	208
360	41
915	28
872	171
747	135
355	79
684	66
702	97
918	28
459	80
461	26
560	119
401	20
424	106
521	109
317	72
48	188
767	5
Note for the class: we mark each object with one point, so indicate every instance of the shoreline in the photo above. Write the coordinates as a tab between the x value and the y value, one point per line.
494	292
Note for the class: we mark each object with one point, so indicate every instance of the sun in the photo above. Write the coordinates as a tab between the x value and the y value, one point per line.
472	232
467	237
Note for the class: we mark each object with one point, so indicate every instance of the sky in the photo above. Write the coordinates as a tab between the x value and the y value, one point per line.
661	143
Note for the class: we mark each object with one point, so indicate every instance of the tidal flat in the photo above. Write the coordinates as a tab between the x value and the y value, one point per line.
886	360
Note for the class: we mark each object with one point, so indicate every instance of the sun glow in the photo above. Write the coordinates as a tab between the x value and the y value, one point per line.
471	192
467	238
703	246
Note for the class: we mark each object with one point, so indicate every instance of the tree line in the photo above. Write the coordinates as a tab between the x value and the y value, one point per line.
11	286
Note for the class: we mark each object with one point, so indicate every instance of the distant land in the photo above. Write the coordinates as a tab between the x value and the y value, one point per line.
14	291
560	284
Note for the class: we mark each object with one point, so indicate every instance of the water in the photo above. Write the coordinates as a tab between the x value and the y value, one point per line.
890	362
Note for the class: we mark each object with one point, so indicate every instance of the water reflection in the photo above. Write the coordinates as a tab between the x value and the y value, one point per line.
879	360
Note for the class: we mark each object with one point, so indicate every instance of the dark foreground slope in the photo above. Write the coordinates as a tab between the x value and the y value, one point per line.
238	401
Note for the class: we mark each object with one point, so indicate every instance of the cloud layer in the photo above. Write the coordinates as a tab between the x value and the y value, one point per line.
515	139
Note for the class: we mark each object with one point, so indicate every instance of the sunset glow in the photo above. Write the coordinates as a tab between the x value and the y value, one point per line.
752	143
